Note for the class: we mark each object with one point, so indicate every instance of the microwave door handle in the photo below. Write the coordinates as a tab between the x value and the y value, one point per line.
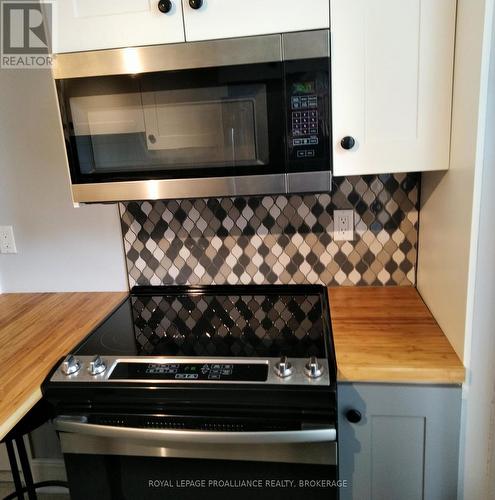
79	425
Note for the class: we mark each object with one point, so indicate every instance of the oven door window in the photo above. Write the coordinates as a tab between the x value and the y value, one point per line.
195	123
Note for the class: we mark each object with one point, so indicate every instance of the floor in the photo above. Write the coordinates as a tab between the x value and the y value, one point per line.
7	488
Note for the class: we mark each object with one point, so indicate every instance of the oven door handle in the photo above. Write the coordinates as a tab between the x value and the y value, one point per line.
79	425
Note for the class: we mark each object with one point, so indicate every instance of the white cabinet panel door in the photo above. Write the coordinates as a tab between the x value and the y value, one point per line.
392	72
94	24
234	18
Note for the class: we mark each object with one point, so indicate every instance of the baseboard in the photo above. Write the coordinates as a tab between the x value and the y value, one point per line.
45	469
6	476
42	469
48	469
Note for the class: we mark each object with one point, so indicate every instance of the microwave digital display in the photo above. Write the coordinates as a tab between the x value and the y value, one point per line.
303	88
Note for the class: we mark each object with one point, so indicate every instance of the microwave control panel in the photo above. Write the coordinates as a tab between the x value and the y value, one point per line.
308	97
304	114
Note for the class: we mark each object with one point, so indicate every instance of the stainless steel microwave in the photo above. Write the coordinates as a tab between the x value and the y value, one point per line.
240	116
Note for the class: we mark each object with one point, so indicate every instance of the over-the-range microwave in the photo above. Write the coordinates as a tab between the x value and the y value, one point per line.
240	116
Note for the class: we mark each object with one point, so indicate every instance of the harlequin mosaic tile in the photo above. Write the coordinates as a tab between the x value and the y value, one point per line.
278	239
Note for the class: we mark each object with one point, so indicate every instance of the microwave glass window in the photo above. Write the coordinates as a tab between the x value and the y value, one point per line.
217	121
181	128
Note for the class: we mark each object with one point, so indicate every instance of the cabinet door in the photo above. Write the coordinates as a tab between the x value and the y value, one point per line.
93	24
405	447
392	71
234	18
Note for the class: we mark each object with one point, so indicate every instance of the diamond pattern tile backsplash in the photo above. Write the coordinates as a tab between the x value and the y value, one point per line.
278	239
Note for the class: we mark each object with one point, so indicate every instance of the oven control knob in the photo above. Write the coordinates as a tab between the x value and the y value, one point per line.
70	365
196	4
283	368
313	369
97	366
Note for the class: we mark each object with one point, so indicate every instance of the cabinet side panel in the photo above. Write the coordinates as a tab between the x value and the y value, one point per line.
447	198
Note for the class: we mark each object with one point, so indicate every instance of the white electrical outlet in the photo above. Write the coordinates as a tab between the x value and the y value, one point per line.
343	225
7	242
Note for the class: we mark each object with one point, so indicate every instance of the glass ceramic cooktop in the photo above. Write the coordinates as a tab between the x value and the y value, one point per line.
215	321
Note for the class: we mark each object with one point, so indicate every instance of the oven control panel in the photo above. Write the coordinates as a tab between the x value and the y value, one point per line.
192	370
240	372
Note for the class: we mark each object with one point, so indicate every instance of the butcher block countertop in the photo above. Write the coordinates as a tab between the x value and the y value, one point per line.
37	329
387	334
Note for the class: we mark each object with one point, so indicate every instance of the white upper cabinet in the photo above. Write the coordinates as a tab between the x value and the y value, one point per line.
210	19
95	24
392	70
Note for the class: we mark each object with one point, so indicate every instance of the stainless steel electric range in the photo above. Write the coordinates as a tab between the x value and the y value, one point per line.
190	392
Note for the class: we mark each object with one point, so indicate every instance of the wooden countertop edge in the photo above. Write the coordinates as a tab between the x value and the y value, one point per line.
403	375
9	423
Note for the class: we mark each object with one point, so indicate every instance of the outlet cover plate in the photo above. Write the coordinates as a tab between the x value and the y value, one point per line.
7	242
343	225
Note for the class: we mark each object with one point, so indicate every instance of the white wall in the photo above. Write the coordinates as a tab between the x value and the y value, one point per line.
60	248
479	392
456	260
447	198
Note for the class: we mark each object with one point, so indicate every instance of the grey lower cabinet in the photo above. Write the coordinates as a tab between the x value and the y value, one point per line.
405	445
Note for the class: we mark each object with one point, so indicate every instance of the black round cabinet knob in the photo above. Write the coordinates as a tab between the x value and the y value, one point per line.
196	4
348	142
353	416
165	6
